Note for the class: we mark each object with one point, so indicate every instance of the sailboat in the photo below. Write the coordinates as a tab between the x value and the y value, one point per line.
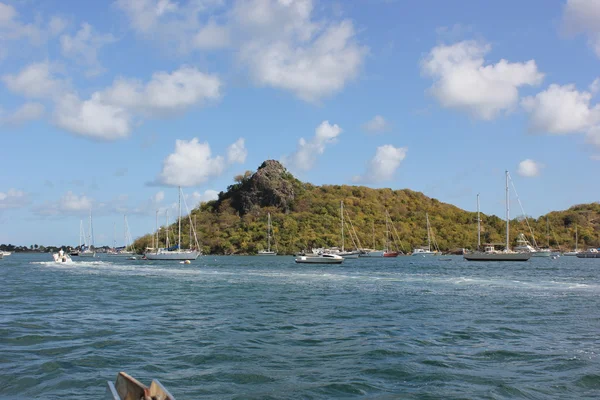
424	252
490	254
175	252
343	252
576	251
388	251
122	251
268	252
86	250
372	252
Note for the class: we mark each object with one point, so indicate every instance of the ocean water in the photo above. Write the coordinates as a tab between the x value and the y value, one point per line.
266	328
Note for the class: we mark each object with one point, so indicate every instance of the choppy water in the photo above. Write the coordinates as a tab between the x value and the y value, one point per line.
266	328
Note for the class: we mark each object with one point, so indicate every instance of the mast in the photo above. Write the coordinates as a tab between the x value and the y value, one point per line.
114	236
428	235
91	230
547	232
156	248
179	223
125	232
478	225
269	232
373	234
507	211
387	233
80	232
342	219
167	230
576	240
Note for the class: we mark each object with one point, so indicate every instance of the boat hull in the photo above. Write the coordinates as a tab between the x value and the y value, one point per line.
87	254
541	254
374	253
391	254
588	255
124	254
571	253
173	255
267	253
349	254
497	256
318	260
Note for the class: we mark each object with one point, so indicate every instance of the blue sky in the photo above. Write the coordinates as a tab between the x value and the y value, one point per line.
111	105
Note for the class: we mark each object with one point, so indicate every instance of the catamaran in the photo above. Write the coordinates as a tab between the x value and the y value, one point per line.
268	252
490	254
175	252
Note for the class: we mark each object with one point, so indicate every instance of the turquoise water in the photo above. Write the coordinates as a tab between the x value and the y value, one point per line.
266	328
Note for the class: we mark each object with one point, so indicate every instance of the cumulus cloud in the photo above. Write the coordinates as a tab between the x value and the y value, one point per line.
83	47
27	112
280	42
197	198
165	93
463	80
11	28
306	154
529	168
192	163
92	118
583	17
13	198
236	152
562	110
384	164
36	80
376	125
69	204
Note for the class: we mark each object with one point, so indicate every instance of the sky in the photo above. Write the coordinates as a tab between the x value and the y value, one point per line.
110	106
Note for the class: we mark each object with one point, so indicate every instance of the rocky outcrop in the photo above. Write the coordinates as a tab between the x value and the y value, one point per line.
270	186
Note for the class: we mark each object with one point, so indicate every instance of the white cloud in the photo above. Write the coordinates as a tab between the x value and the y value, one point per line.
165	93
377	124
108	114
529	168
36	80
13	198
68	204
384	164
212	36
190	165
11	28
92	118
583	16
196	198
27	112
464	82
279	41
56	25
236	152
83	47
306	154
158	197
561	110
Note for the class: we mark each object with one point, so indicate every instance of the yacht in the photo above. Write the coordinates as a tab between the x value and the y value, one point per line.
268	252
426	251
323	258
490	253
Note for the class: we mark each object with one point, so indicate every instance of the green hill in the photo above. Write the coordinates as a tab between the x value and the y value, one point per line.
306	216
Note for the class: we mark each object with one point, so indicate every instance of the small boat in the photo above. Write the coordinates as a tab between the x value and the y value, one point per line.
320	259
62	257
5	253
128	388
576	251
590	253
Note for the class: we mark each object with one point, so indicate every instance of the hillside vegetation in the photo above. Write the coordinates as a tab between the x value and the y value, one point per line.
306	216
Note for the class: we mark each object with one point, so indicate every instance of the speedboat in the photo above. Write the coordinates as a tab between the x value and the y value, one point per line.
126	387
320	259
62	257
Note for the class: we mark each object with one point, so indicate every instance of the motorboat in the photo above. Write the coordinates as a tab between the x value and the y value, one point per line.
128	388
62	257
420	252
320	259
590	253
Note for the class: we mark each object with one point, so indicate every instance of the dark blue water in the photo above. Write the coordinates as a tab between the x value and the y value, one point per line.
266	328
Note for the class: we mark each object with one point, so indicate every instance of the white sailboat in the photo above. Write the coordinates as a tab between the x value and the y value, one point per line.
426	252
87	251
490	254
124	251
176	252
576	251
268	252
343	253
372	252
